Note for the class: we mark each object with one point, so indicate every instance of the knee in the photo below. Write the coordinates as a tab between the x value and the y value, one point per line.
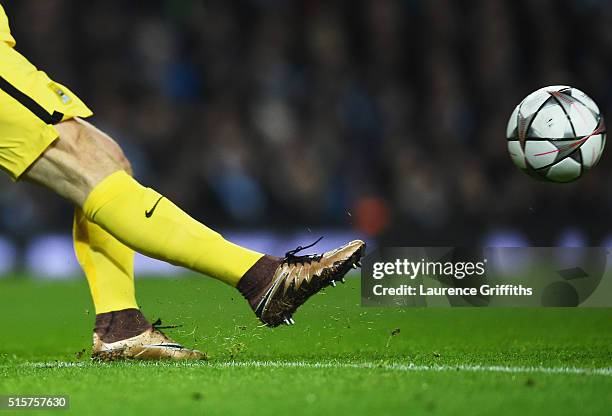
116	153
87	148
75	163
107	145
89	136
124	163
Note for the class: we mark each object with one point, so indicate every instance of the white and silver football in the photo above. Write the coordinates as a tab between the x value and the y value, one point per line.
556	134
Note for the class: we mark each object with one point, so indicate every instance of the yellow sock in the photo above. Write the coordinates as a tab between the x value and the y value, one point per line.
108	265
152	225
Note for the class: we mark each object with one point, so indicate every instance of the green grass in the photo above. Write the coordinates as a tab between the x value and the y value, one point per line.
339	358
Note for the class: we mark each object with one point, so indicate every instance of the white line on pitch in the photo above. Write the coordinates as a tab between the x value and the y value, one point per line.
605	371
419	368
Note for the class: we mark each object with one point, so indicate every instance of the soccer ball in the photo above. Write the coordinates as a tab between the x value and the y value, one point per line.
556	134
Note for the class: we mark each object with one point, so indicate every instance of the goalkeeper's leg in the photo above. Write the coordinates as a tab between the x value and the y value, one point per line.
121	330
107	263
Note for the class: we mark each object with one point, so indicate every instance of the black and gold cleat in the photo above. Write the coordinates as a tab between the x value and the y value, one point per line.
292	280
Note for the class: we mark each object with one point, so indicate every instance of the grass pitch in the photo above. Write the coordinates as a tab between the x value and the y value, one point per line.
339	358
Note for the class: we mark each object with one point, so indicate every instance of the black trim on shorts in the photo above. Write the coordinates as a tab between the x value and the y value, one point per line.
30	104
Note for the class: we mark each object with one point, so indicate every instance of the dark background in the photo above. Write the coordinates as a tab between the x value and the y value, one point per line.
385	117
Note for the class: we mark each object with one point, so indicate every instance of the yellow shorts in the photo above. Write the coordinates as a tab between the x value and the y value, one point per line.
30	104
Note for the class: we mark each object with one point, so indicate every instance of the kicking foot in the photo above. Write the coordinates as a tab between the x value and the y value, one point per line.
126	334
276	287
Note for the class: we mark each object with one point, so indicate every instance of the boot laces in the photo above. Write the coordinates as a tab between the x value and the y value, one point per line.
157	326
291	258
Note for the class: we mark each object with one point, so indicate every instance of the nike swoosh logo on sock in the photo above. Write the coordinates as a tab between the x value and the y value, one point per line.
150	212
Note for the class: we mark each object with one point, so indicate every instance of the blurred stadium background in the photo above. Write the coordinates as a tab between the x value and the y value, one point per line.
278	121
